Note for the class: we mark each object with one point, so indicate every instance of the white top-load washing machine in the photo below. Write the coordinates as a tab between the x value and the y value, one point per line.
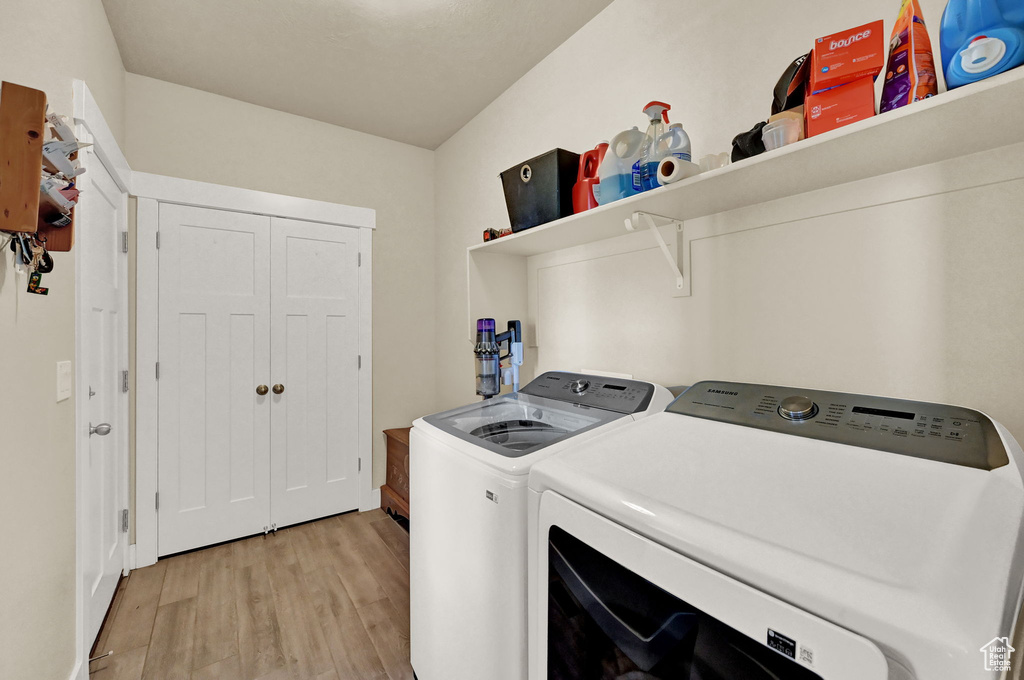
468	476
753	532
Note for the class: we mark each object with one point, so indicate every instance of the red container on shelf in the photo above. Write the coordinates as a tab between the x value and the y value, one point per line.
847	56
583	191
839	106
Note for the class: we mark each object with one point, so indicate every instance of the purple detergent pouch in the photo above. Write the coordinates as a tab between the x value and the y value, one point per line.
910	73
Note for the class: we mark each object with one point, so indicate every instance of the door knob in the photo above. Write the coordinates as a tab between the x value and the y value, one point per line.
278	388
261	390
103	429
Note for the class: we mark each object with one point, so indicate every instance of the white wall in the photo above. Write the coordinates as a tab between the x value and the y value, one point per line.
921	299
182	132
37	448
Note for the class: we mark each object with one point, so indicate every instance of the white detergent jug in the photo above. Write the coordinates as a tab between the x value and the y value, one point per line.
616	171
675	142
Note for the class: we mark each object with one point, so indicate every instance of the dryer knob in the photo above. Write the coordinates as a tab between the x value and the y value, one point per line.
579	386
798	408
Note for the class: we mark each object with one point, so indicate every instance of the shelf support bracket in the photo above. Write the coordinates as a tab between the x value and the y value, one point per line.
640	219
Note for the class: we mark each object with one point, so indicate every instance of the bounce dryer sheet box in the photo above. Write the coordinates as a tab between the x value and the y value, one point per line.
840	106
847	56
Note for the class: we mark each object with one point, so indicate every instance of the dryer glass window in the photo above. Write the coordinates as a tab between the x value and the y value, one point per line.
517	424
607	623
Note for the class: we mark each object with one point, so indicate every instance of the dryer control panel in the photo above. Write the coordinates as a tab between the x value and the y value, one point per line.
610	394
948	434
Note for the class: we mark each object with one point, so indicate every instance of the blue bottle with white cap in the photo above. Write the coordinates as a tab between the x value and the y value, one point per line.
980	39
619	171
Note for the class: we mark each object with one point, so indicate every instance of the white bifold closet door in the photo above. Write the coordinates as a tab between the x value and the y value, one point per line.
249	301
214	431
314	347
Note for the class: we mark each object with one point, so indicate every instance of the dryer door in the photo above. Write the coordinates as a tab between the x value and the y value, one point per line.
610	604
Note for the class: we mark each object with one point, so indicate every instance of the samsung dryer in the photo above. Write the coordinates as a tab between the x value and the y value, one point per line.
753	532
468	476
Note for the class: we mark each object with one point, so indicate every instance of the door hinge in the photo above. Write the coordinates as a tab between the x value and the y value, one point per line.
124	241
158	370
124	521
124	381
158	240
359	361
360	467
157	500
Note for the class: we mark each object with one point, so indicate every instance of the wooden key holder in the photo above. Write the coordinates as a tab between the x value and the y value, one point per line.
22	134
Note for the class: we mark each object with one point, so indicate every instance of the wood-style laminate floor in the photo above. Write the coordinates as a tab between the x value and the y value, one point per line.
328	600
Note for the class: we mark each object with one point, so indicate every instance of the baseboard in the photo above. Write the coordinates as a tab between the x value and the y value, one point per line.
80	671
131	559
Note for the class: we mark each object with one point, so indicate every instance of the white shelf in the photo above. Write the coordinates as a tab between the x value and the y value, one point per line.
977	117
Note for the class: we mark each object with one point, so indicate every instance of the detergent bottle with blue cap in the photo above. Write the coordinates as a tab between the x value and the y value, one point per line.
980	39
618	173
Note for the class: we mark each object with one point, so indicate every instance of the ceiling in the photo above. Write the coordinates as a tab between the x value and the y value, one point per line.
410	70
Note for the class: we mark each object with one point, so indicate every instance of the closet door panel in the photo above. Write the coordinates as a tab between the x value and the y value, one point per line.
214	429
314	355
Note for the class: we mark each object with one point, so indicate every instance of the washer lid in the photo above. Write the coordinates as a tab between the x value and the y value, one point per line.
517	424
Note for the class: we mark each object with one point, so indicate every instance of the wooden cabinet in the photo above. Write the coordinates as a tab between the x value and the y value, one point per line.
22	127
22	134
394	495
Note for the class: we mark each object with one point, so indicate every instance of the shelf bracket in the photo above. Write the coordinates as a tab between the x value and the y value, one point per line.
640	219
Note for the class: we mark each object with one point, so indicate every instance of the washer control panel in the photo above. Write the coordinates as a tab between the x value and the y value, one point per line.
948	434
610	394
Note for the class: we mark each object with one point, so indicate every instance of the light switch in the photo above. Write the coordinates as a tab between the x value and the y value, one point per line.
63	380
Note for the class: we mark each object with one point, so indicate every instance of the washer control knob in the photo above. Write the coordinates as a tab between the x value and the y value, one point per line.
798	408
579	386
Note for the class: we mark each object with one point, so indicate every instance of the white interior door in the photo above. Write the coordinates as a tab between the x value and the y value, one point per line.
104	335
314	358
214	328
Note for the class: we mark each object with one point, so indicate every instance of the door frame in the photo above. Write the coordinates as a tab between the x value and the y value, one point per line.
152	190
88	117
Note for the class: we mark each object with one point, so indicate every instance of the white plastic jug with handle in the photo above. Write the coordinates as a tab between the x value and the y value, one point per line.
675	142
616	171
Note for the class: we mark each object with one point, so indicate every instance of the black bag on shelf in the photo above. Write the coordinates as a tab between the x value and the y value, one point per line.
748	144
792	86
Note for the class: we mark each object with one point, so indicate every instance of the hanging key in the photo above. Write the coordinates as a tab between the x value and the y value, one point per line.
37	254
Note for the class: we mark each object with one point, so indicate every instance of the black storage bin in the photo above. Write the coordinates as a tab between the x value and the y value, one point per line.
540	190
